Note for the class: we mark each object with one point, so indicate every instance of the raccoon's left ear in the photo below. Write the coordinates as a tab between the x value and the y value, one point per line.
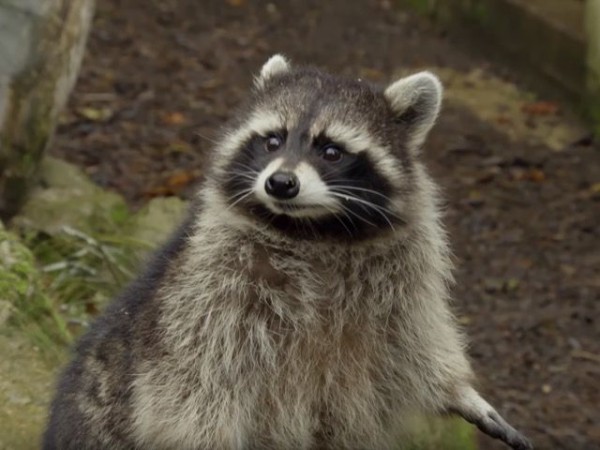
416	100
277	64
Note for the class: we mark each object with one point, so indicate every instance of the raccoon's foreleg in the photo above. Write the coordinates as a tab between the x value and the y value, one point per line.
474	409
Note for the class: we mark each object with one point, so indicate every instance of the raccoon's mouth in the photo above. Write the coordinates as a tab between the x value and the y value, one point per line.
294	206
297	209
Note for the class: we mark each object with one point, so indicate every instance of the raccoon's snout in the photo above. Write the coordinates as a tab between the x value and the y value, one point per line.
282	185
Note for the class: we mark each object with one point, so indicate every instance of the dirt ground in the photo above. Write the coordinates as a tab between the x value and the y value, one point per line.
162	75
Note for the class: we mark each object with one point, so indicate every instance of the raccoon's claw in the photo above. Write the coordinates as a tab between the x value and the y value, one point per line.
495	426
474	409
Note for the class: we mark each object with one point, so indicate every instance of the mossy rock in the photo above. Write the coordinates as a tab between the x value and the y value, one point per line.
86	240
155	221
65	196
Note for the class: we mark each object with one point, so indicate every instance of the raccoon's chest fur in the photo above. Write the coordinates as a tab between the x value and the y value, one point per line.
274	347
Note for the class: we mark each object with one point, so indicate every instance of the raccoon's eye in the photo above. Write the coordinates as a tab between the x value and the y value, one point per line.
332	154
272	143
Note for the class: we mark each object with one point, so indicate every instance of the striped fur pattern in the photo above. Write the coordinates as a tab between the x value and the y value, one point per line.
312	322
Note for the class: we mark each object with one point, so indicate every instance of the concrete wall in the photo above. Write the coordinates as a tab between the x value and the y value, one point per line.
42	43
544	40
592	22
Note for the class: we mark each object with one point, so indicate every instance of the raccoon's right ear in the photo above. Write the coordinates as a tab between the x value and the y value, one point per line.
277	64
417	100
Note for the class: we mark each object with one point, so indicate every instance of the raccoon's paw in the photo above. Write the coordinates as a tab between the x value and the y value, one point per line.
495	426
474	409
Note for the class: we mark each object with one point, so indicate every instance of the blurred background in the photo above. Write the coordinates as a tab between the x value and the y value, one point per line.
88	185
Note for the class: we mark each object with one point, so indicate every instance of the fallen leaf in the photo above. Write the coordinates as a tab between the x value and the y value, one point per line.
158	191
582	354
179	147
95	114
65	118
475	198
536	175
491	285
370	73
568	269
504	120
541	108
91	308
464	320
512	284
180	179
174	118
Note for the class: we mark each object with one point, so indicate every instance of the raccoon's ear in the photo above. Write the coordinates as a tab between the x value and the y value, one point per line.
276	64
416	100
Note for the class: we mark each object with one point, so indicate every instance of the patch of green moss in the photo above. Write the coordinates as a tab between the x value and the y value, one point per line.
420	6
27	380
83	242
23	294
438	434
476	11
592	101
450	10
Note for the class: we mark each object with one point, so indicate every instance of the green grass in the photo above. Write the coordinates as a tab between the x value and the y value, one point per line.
83	271
59	282
25	302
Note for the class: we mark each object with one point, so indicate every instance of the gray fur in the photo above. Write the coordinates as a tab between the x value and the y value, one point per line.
243	337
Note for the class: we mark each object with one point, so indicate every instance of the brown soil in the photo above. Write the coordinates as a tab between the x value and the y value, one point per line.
162	76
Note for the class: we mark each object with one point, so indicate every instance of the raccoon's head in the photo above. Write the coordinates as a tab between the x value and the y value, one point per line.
319	156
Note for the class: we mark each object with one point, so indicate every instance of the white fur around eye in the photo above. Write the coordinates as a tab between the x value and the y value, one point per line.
356	140
260	122
352	138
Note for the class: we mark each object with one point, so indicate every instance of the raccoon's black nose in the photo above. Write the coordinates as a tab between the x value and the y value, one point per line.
282	185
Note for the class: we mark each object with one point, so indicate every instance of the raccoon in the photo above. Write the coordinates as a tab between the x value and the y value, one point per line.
303	303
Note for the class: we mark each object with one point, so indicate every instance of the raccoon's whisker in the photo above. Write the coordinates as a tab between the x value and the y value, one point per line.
358	216
308	222
246	171
339	219
242	195
234	175
388	211
345	213
378	209
357	188
206	138
346	189
246	167
237	194
362	206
